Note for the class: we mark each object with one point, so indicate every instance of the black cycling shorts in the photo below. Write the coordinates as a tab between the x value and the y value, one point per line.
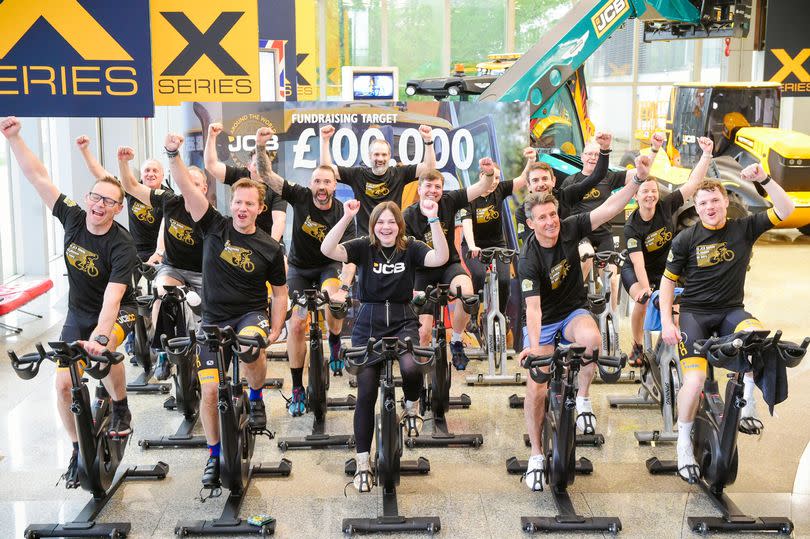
250	324
696	327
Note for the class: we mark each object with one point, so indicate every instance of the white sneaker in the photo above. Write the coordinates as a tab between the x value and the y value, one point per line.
749	418
688	469
586	421
534	473
363	478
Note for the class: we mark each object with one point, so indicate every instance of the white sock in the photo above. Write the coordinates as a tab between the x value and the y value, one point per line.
535	459
362	461
685	433
748	389
410	407
456	337
582	402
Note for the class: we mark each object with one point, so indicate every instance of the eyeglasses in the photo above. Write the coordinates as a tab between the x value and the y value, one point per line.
95	197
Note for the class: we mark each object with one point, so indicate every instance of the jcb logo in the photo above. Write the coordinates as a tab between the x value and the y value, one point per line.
34	60
388	269
204	50
609	15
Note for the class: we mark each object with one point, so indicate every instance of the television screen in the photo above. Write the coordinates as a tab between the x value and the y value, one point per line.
373	85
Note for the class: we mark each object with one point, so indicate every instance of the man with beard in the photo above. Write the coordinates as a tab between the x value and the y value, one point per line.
315	213
273	218
382	181
431	187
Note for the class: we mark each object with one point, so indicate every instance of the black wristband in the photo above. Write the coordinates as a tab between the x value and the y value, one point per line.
604	152
171	153
428	143
765	181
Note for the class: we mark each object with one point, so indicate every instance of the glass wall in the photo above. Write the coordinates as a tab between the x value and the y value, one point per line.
533	18
7	243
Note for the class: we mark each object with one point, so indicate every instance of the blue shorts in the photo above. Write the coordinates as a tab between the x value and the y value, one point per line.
548	331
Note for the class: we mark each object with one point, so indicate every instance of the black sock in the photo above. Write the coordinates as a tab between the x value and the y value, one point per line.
121	405
333	339
297	377
75	447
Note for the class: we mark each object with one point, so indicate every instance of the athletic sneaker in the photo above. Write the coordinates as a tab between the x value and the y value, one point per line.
534	473
688	469
749	418
210	476
460	359
120	423
335	361
71	476
586	421
163	369
297	405
363	480
410	420
257	417
129	344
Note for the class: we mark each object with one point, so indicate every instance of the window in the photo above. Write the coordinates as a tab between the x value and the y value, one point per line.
533	18
8	262
50	158
612	106
476	30
613	60
415	39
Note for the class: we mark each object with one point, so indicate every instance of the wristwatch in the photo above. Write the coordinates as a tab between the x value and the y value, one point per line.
345	287
103	340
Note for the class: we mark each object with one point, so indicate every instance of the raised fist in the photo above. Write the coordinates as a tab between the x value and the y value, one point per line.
83	142
643	164
486	166
263	135
706	144
657	140
753	173
429	208
530	154
327	131
125	153
10	126
173	142
426	132
351	207
603	139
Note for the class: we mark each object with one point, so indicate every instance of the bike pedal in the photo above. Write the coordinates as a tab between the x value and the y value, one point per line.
213	492
263	432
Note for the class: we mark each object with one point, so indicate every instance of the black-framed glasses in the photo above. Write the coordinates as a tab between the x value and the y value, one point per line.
95	197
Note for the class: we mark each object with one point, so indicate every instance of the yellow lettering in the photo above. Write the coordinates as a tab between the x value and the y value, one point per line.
9	79
791	65
28	78
133	84
75	71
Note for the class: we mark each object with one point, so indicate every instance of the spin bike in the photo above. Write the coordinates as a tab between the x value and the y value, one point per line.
660	378
558	435
318	379
142	353
436	394
174	318
236	436
99	454
493	323
388	436
717	424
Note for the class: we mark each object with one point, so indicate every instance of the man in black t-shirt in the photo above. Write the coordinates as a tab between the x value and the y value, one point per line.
556	302
239	259
383	180
273	219
431	187
100	257
712	256
315	212
648	232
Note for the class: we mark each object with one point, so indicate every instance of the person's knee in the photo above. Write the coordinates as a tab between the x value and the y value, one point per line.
692	383
296	326
208	394
63	385
464	282
590	339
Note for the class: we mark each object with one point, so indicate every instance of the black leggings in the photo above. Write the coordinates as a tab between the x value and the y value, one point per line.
368	387
478	274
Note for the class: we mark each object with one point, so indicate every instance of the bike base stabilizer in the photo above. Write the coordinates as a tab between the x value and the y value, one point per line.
385	524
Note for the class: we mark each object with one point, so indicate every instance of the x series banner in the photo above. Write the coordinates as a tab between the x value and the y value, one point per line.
787	49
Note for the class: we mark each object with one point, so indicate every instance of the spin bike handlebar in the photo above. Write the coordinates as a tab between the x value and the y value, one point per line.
148	271
433	294
722	350
64	354
486	254
603	258
375	351
313	300
224	337
570	355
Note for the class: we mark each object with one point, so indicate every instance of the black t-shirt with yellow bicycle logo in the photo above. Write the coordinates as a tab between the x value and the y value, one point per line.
144	224
596	195
485	213
371	189
183	242
272	201
654	237
416	224
93	261
236	268
714	262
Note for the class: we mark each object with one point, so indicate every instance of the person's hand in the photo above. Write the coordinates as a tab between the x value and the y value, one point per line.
657	140
640	296
155	259
426	132
351	207
125	154
173	142
10	126
339	296
753	173
263	136
707	145
486	166
529	154
273	336
214	129
93	348
670	334
603	139
526	352
327	131
474	251
643	164
429	208
83	142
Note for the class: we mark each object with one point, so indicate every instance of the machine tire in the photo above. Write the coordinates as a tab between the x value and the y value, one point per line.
453	90
805	230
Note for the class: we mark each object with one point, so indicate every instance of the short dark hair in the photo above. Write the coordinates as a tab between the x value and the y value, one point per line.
431	174
712	185
537	199
113	181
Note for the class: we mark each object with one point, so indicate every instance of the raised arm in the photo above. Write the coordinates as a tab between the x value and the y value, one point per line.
128	181
210	157
326	153
429	159
31	166
331	246
95	168
530	155
782	204
265	169
441	251
485	179
196	202
699	172
574	192
619	199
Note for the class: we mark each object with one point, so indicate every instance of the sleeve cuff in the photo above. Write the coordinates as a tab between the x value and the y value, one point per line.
774	219
671	276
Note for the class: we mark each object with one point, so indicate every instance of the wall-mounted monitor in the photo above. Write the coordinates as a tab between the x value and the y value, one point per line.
370	83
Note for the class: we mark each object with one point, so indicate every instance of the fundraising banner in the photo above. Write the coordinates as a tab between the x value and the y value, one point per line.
70	58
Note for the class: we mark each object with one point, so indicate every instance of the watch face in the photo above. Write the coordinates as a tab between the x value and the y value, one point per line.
103	340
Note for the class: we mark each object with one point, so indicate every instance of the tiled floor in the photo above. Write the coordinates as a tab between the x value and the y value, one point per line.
467	488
